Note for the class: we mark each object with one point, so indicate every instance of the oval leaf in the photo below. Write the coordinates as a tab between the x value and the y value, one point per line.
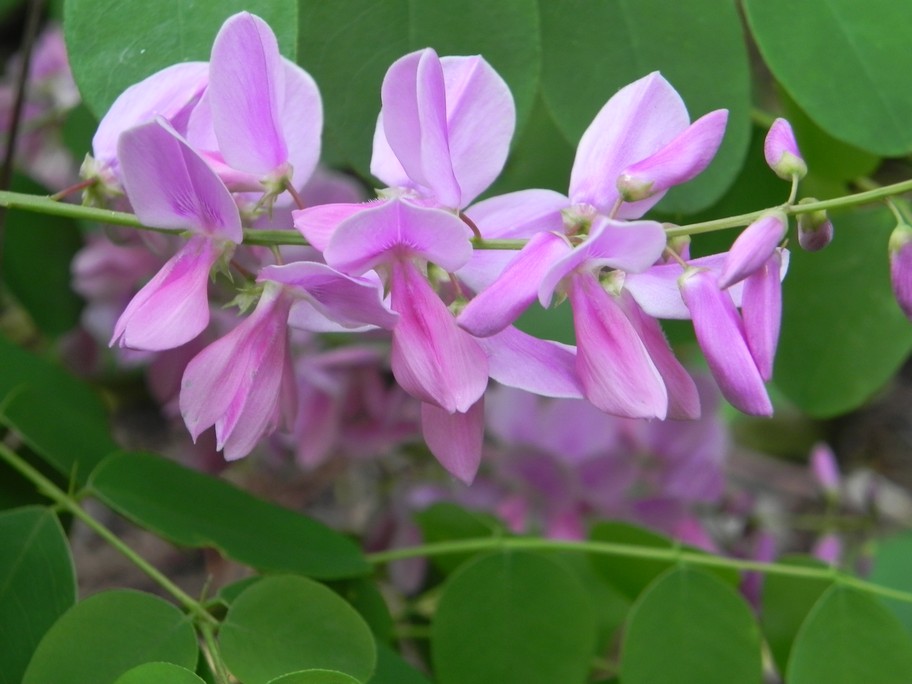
698	47
392	669
287	624
110	633
513	617
193	509
315	677
159	673
850	637
689	627
845	63
37	584
114	44
892	560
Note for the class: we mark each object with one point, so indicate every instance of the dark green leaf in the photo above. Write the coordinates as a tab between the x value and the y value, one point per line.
315	677
698	47
892	560
513	617
110	633
339	47
846	64
850	637
37	584
114	44
392	669
843	335
785	604
365	597
691	628
159	673
447	522
286	624
193	509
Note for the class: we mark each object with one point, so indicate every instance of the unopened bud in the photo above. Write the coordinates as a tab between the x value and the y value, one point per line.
781	151
815	230
680	245
901	266
825	469
753	247
828	548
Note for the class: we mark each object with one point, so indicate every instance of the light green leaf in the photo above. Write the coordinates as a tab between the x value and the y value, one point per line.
193	509
892	560
843	335
159	673
850	637
110	633
315	677
691	628
285	624
115	43
37	584
845	63
697	45
513	617
339	47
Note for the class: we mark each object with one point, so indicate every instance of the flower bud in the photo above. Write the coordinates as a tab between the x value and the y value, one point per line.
825	470
901	266
781	151
753	247
815	230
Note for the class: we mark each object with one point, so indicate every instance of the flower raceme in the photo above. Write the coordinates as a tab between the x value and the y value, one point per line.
190	144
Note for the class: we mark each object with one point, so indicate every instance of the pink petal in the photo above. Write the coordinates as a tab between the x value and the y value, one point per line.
781	151
616	371
679	161
433	359
246	84
720	333
455	439
301	122
900	250
397	228
170	186
634	124
753	247
496	307
519	214
385	165
825	469
173	307
761	310
318	224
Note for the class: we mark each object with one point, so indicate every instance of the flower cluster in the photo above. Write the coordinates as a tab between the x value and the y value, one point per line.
214	149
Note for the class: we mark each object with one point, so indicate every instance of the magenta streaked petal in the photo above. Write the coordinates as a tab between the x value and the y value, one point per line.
761	310
683	397
415	123
519	214
753	247
720	333
166	93
496	307
352	302
481	117
635	123
678	162
246	84
301	122
318	224
630	246
170	186
615	369
433	359
518	360
395	229
455	439
173	307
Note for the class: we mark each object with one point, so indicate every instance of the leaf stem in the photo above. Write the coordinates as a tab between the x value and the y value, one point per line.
69	504
213	654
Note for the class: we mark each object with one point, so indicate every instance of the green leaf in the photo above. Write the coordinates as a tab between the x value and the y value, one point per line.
315	677
892	560
785	604
159	673
110	633
37	584
339	47
285	624
193	509
447	522
513	617
392	669
845	63
843	335
697	45
365	597
631	575
114	44
37	252
689	627
850	637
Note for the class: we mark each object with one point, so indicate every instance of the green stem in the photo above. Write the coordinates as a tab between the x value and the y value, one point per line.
214	654
672	555
69	504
